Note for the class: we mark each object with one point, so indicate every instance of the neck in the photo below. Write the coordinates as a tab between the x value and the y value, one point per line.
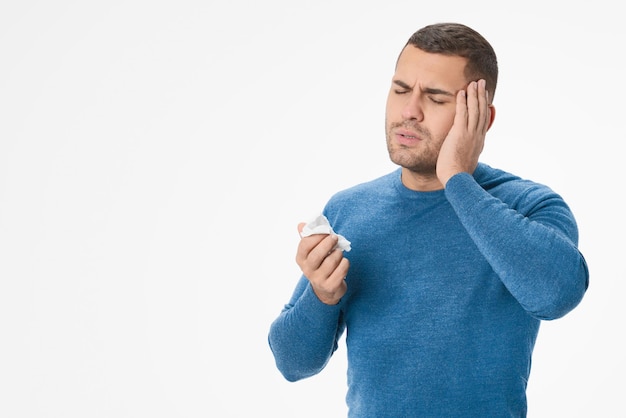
420	182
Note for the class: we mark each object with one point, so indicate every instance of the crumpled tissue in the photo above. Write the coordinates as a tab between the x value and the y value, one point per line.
320	225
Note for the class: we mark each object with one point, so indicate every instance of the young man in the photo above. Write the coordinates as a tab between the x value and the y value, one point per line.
443	297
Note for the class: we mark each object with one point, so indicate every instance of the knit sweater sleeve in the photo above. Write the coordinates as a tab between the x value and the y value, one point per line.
305	334
532	247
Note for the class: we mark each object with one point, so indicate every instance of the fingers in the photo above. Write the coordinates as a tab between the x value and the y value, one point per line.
324	266
460	117
462	146
335	283
477	104
313	250
483	107
473	106
332	269
328	282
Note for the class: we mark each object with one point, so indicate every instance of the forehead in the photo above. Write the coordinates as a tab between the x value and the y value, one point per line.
417	66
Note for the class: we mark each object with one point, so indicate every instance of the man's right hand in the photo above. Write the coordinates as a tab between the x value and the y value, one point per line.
324	267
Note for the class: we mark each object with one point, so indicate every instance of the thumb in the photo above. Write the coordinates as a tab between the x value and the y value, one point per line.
301	227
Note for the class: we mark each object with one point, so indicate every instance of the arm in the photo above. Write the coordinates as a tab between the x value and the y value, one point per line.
305	335
534	253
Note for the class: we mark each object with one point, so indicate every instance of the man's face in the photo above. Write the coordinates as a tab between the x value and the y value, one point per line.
420	107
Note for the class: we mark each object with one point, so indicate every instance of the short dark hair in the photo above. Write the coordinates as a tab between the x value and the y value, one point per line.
460	40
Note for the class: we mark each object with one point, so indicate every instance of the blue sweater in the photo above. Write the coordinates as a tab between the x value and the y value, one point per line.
446	290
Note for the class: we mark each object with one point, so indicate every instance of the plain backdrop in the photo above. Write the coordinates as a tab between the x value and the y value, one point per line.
157	156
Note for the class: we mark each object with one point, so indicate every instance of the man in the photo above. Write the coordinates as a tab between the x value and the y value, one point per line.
453	263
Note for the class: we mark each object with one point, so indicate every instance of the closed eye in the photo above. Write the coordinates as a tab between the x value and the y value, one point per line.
432	99
401	87
439	96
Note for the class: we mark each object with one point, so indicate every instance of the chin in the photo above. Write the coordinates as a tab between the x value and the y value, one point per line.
401	159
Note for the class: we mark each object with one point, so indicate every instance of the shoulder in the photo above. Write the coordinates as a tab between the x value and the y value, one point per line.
520	193
375	188
363	199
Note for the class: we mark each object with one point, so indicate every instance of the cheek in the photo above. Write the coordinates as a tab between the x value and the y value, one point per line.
440	123
389	117
393	109
388	106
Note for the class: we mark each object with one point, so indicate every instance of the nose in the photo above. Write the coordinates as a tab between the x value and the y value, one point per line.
412	109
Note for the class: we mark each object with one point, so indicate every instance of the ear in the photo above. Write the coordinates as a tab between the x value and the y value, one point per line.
492	115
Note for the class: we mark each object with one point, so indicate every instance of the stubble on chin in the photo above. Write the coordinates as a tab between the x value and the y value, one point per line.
421	161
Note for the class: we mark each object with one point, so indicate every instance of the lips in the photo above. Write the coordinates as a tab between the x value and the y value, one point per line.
406	137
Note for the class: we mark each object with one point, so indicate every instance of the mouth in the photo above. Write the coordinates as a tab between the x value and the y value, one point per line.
406	137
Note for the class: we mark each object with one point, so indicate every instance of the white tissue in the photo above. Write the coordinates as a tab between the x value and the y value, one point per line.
320	225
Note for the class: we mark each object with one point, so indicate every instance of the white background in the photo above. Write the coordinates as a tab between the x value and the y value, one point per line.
156	157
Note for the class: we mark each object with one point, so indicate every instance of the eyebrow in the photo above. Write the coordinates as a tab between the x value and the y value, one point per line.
427	90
